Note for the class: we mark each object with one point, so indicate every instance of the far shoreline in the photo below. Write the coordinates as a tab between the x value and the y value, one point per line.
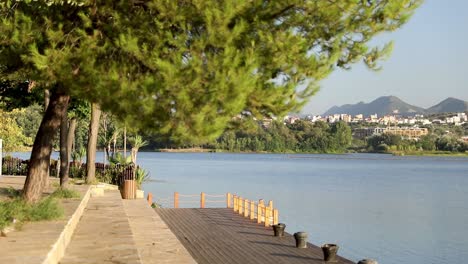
394	153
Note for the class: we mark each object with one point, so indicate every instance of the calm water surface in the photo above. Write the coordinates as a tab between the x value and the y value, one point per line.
410	210
394	209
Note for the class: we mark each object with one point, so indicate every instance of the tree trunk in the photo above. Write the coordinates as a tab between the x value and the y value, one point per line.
38	169
71	136
45	183
46	99
63	152
92	140
134	155
125	142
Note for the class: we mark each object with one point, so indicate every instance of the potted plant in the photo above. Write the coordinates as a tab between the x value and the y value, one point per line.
279	229
329	252
141	176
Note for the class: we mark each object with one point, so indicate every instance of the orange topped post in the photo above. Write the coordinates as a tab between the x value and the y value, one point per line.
228	200
176	200
150	198
202	200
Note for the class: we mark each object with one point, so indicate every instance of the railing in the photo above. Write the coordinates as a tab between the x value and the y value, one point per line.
258	211
17	166
204	199
14	166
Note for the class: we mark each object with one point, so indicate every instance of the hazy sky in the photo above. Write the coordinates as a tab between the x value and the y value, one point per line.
429	63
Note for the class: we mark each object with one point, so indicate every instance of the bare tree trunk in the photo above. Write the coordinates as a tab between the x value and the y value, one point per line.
92	141
63	152
45	183
125	142
46	99
115	143
71	136
134	155
38	169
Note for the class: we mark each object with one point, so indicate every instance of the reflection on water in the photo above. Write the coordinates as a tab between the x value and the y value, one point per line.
395	209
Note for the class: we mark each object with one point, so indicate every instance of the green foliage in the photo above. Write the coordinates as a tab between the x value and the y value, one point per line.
17	211
302	136
28	119
61	193
381	143
12	134
141	176
18	94
78	155
450	143
430	143
427	142
186	68
118	158
137	142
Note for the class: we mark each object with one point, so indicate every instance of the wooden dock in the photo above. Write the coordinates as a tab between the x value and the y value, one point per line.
219	235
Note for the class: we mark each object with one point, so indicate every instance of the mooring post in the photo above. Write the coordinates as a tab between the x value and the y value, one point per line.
246	208
267	216
228	200
275	216
241	205
202	200
259	213
176	200
150	198
252	210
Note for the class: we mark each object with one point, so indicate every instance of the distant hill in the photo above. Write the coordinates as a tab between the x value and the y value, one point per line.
386	105
449	105
381	106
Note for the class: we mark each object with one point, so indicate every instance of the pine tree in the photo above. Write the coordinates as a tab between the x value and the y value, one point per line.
185	68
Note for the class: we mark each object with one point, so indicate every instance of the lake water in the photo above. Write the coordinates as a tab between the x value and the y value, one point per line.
410	210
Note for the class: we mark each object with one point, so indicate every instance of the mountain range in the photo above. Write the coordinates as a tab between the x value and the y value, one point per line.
386	105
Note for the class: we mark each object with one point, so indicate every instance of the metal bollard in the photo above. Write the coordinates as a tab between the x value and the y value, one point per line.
301	239
368	261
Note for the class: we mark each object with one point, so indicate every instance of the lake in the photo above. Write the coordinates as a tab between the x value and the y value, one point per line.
393	209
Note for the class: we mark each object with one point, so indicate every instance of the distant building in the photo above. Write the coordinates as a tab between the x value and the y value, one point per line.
362	133
404	132
407	132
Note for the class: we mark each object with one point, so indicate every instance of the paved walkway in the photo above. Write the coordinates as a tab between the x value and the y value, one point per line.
155	241
219	235
35	240
103	234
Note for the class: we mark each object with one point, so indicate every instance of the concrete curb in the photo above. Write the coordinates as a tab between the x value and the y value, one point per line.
57	250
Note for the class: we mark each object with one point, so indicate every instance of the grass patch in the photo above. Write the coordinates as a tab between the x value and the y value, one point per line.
16	211
61	193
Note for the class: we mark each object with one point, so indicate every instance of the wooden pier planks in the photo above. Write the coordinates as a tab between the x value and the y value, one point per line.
221	236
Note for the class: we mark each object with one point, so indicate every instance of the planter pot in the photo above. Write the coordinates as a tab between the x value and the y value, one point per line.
329	252
279	229
301	239
140	194
367	261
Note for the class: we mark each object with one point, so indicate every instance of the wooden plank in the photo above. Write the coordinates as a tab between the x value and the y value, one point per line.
219	235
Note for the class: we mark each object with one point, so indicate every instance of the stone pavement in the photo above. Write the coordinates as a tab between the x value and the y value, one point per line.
155	241
100	228
103	234
45	241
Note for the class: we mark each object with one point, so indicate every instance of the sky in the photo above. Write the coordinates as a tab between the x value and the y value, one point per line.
429	63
